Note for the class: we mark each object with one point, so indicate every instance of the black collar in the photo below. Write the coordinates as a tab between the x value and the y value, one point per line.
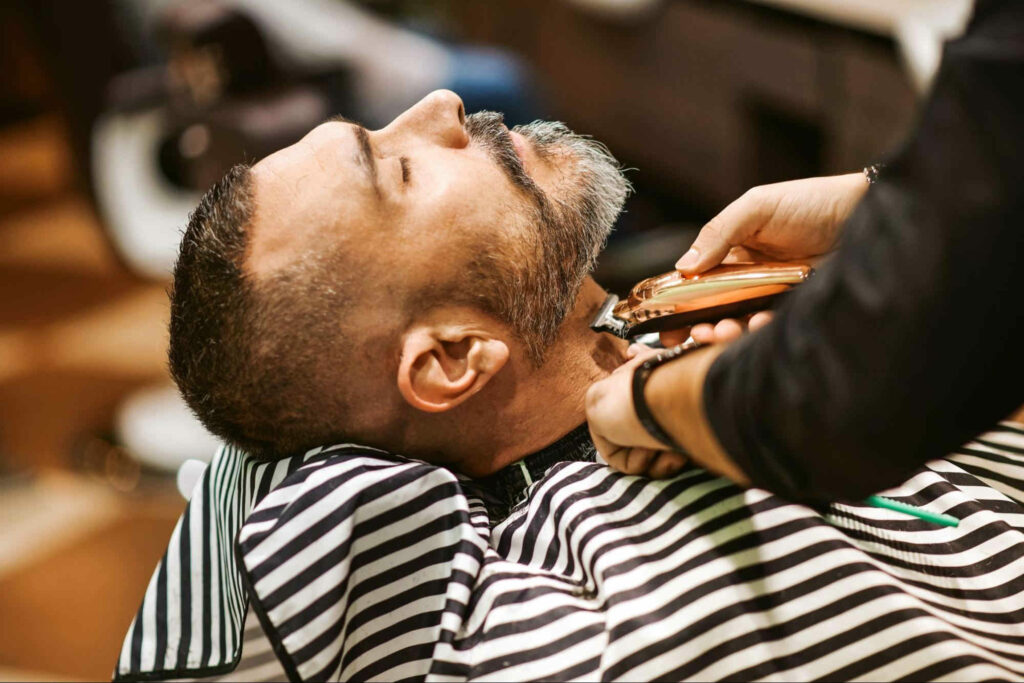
504	489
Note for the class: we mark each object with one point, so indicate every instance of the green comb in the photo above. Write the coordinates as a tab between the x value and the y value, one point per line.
896	506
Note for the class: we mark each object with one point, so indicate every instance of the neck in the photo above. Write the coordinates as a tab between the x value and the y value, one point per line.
526	408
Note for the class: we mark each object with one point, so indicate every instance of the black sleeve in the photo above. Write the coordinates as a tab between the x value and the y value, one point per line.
910	339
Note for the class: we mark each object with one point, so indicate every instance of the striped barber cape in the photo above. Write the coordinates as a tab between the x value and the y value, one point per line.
351	564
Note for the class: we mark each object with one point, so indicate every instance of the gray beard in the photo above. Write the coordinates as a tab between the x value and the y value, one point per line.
589	200
594	187
572	220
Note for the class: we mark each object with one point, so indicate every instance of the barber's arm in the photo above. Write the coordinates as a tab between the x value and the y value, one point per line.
908	342
796	219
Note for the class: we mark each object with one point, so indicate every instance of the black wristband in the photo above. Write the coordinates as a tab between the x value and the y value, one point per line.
640	376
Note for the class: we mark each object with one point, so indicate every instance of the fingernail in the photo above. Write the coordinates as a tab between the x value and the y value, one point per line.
689	260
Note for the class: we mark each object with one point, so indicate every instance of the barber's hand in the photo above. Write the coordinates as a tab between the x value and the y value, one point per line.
791	220
726	330
797	219
620	438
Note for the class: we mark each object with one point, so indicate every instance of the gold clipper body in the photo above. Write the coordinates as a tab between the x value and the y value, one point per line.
672	300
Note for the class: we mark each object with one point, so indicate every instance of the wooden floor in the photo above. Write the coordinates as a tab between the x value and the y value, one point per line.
82	530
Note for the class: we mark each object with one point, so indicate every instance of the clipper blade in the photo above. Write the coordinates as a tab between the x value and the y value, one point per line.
673	301
607	321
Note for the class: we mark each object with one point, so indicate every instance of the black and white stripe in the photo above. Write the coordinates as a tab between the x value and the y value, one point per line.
190	623
365	567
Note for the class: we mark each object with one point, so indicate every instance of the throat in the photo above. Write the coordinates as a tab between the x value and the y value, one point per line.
545	405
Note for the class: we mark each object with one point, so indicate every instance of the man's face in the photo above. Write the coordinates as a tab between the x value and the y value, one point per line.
409	204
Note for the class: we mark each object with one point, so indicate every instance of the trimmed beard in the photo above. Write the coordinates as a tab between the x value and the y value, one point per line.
534	288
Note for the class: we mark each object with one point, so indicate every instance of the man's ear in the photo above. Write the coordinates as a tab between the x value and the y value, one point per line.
443	365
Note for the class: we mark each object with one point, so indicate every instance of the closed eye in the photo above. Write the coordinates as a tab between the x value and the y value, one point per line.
404	161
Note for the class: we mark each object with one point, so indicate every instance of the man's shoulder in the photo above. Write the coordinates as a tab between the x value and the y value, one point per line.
339	481
341	462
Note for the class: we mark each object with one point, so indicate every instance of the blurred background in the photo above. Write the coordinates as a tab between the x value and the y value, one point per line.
115	115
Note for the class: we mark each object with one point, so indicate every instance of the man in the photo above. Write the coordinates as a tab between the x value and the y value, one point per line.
404	289
423	289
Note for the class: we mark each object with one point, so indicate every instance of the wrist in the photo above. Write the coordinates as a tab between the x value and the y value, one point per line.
675	396
856	183
675	391
641	407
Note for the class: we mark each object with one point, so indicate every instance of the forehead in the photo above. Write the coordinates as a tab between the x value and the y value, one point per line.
309	192
324	145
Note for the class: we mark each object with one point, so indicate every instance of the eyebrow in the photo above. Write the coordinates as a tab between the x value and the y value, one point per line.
366	157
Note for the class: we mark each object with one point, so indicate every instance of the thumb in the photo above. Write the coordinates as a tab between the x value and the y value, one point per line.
707	251
730	228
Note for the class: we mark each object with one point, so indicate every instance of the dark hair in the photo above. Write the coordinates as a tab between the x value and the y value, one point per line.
246	354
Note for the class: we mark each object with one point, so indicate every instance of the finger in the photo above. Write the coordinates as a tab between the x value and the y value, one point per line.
641	351
635	356
728	330
616	458
739	255
759	320
667	464
594	396
703	333
670	338
631	364
745	254
730	228
638	459
607	451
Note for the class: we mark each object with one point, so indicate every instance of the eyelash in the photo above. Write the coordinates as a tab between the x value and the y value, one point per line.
404	161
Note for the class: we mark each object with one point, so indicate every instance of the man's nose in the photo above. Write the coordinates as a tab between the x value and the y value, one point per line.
438	118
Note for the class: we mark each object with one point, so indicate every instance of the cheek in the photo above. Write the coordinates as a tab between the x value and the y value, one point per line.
463	204
472	198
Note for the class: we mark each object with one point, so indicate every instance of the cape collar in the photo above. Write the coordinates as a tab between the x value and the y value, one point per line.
508	487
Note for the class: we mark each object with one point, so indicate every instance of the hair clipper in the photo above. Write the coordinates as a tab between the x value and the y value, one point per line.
673	300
